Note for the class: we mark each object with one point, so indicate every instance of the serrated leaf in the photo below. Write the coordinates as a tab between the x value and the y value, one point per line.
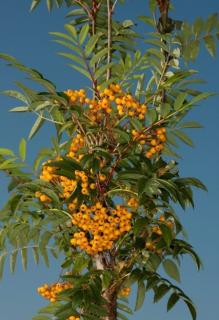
91	44
140	295
34	4
15	94
166	234
2	263
179	100
194	49
211	23
147	20
98	56
19	109
200	97
171	269
35	251
198	26
183	137
72	31
100	71
124	308
37	125
191	308
83	33
121	316
210	45
41	318
24	258
49	4
13	259
160	292
172	301
72	57
22	149
81	70
6	152
190	124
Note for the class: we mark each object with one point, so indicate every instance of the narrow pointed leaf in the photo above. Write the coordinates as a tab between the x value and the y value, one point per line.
22	149
171	269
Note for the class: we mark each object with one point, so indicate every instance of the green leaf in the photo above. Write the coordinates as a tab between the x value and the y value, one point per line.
166	234
2	263
24	258
91	44
136	124
72	31
191	308
160	292
99	72
199	97
13	259
210	45
121	316
183	137
172	301
35	251
124	308
179	100
211	23
147	20
19	109
140	295
6	152
37	125
83	33
190	124
194	49
49	4
81	70
22	149
15	94
41	318
73	57
198	26
165	109
34	4
171	269
98	56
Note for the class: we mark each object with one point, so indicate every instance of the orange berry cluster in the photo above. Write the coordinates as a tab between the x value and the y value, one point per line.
132	202
42	197
128	105
157	143
101	227
154	140
83	178
76	96
73	318
50	292
125	292
113	96
77	143
48	173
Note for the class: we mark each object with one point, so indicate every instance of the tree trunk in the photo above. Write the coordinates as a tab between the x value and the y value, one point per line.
110	294
111	297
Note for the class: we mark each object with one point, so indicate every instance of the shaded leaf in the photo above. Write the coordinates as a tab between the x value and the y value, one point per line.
171	269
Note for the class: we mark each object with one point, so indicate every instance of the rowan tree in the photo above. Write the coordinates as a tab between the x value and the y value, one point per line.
105	195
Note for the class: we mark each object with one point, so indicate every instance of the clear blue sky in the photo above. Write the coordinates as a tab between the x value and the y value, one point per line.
25	36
